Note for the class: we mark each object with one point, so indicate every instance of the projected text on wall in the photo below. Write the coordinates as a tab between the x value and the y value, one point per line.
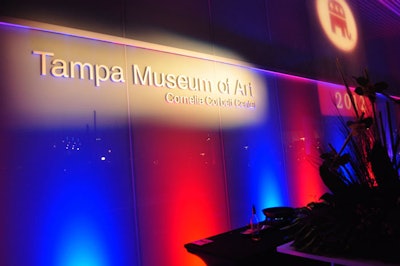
334	100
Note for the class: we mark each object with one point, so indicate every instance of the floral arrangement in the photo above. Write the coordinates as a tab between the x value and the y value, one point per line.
360	216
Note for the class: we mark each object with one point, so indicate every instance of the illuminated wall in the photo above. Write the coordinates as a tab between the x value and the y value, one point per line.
121	147
116	148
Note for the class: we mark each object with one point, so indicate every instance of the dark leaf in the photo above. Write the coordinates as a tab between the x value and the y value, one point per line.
332	179
367	122
372	97
327	197
380	86
358	126
342	160
327	156
359	91
362	81
382	167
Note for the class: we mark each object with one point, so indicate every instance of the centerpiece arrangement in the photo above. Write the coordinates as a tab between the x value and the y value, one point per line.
360	216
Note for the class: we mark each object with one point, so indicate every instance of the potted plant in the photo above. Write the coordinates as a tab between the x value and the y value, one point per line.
360	216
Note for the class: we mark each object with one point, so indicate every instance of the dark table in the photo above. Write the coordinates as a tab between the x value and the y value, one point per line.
236	249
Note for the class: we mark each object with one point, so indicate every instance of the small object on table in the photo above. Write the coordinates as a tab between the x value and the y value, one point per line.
279	216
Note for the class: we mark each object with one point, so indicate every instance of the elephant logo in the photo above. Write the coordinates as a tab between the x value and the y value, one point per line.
338	18
338	23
